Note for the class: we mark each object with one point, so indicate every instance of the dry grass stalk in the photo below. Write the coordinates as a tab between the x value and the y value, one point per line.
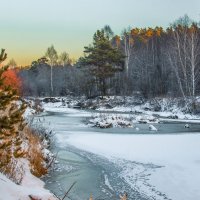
35	155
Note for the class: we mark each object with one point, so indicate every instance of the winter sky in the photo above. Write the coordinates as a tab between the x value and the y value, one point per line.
28	27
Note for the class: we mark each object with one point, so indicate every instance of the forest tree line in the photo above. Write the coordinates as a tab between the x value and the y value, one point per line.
156	62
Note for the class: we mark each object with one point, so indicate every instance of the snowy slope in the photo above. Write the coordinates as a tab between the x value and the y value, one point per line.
30	186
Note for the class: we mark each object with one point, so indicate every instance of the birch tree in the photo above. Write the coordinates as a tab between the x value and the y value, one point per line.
193	56
184	55
128	42
52	56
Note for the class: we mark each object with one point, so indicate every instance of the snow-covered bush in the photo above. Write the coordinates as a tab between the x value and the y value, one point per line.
146	119
109	121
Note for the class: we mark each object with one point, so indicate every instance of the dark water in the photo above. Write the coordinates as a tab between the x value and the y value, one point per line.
94	174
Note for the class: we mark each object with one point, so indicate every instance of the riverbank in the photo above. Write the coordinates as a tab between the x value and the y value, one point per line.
120	111
19	177
30	188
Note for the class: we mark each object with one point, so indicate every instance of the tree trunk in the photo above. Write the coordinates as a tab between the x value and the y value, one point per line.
51	80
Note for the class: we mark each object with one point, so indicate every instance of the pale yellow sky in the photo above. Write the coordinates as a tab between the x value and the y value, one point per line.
29	27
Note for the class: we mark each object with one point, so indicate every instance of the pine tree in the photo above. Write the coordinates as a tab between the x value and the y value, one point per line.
11	122
103	59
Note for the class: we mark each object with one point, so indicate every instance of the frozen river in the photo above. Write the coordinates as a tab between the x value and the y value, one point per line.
108	162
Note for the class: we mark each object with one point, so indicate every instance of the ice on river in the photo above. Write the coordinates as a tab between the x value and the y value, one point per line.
178	154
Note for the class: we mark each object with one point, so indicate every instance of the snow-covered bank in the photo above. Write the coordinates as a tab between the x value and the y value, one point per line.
59	107
179	176
162	107
30	186
138	109
18	177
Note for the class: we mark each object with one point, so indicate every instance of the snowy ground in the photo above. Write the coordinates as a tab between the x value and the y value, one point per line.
176	113
30	186
126	115
59	108
150	111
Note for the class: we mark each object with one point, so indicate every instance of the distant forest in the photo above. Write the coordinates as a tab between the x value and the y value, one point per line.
154	62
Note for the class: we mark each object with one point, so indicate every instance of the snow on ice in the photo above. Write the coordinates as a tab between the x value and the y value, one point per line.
178	156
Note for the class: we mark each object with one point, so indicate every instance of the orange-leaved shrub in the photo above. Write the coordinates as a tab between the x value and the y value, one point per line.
12	79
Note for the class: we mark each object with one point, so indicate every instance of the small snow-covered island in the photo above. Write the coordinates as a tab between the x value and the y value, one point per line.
106	113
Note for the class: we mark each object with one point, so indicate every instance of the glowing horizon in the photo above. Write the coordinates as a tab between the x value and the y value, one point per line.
28	28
